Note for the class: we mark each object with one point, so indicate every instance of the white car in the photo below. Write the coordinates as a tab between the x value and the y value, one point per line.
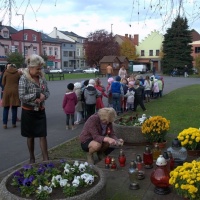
55	71
90	70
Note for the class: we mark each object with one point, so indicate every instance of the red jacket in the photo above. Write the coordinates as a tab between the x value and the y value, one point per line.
69	103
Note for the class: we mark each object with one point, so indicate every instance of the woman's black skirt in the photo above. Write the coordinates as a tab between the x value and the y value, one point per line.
33	123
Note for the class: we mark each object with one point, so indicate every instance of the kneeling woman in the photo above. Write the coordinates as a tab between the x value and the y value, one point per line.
94	136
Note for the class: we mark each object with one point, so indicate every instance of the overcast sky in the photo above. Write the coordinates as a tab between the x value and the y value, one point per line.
85	16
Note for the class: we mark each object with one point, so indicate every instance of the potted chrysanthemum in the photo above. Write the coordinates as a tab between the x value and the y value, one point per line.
155	129
190	139
54	180
185	180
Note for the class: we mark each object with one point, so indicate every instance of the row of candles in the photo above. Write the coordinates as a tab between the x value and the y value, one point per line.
164	164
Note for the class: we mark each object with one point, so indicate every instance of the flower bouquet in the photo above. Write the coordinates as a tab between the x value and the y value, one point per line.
190	138
129	120
42	181
155	129
185	180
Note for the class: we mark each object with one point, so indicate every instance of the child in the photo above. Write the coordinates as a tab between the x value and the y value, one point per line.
110	101
124	83
138	96
130	96
99	87
147	88
79	107
69	103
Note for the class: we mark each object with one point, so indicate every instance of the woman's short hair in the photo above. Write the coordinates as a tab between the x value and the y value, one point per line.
34	61
108	114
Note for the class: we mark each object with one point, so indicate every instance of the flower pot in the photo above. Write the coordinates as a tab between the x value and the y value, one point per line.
193	152
130	134
98	191
161	145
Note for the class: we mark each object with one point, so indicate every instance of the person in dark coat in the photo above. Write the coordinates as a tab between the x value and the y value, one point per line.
10	98
139	90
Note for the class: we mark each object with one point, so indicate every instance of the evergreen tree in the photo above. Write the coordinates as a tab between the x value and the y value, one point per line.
176	48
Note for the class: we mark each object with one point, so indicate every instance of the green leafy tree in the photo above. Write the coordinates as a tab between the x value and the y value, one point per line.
127	48
99	44
16	58
176	48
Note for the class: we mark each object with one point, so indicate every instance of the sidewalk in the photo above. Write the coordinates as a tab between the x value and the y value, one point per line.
117	187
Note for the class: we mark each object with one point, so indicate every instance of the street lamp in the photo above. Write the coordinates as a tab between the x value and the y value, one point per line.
23	36
111	28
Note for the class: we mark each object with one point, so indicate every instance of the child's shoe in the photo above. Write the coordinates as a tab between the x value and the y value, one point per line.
73	128
67	128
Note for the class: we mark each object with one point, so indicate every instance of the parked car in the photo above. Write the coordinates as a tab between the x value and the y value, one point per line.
67	71
90	70
46	71
56	71
77	71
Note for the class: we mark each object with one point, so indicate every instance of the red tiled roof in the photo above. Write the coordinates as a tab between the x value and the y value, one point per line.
195	35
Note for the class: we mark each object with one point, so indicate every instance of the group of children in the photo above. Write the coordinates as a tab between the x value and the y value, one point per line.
123	94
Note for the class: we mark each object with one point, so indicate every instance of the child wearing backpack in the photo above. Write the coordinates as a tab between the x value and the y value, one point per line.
130	96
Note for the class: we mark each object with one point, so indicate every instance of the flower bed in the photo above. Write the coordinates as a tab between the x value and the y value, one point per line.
54	180
129	129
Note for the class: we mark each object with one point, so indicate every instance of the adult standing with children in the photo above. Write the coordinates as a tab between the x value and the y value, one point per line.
10	82
122	72
33	91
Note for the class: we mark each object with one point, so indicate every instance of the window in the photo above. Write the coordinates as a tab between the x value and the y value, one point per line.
70	53
150	52
83	52
142	53
34	37
65	53
26	50
56	65
25	37
56	51
157	52
50	51
197	49
78	52
65	63
44	50
16	48
35	50
6	47
5	34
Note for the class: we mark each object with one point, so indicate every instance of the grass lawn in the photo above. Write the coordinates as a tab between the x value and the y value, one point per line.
181	107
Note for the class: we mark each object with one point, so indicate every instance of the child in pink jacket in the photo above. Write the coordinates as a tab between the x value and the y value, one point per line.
69	103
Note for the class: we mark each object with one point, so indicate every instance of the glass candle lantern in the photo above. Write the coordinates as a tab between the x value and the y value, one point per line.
148	158
139	165
107	162
133	176
171	161
179	153
113	165
122	158
156	152
160	177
